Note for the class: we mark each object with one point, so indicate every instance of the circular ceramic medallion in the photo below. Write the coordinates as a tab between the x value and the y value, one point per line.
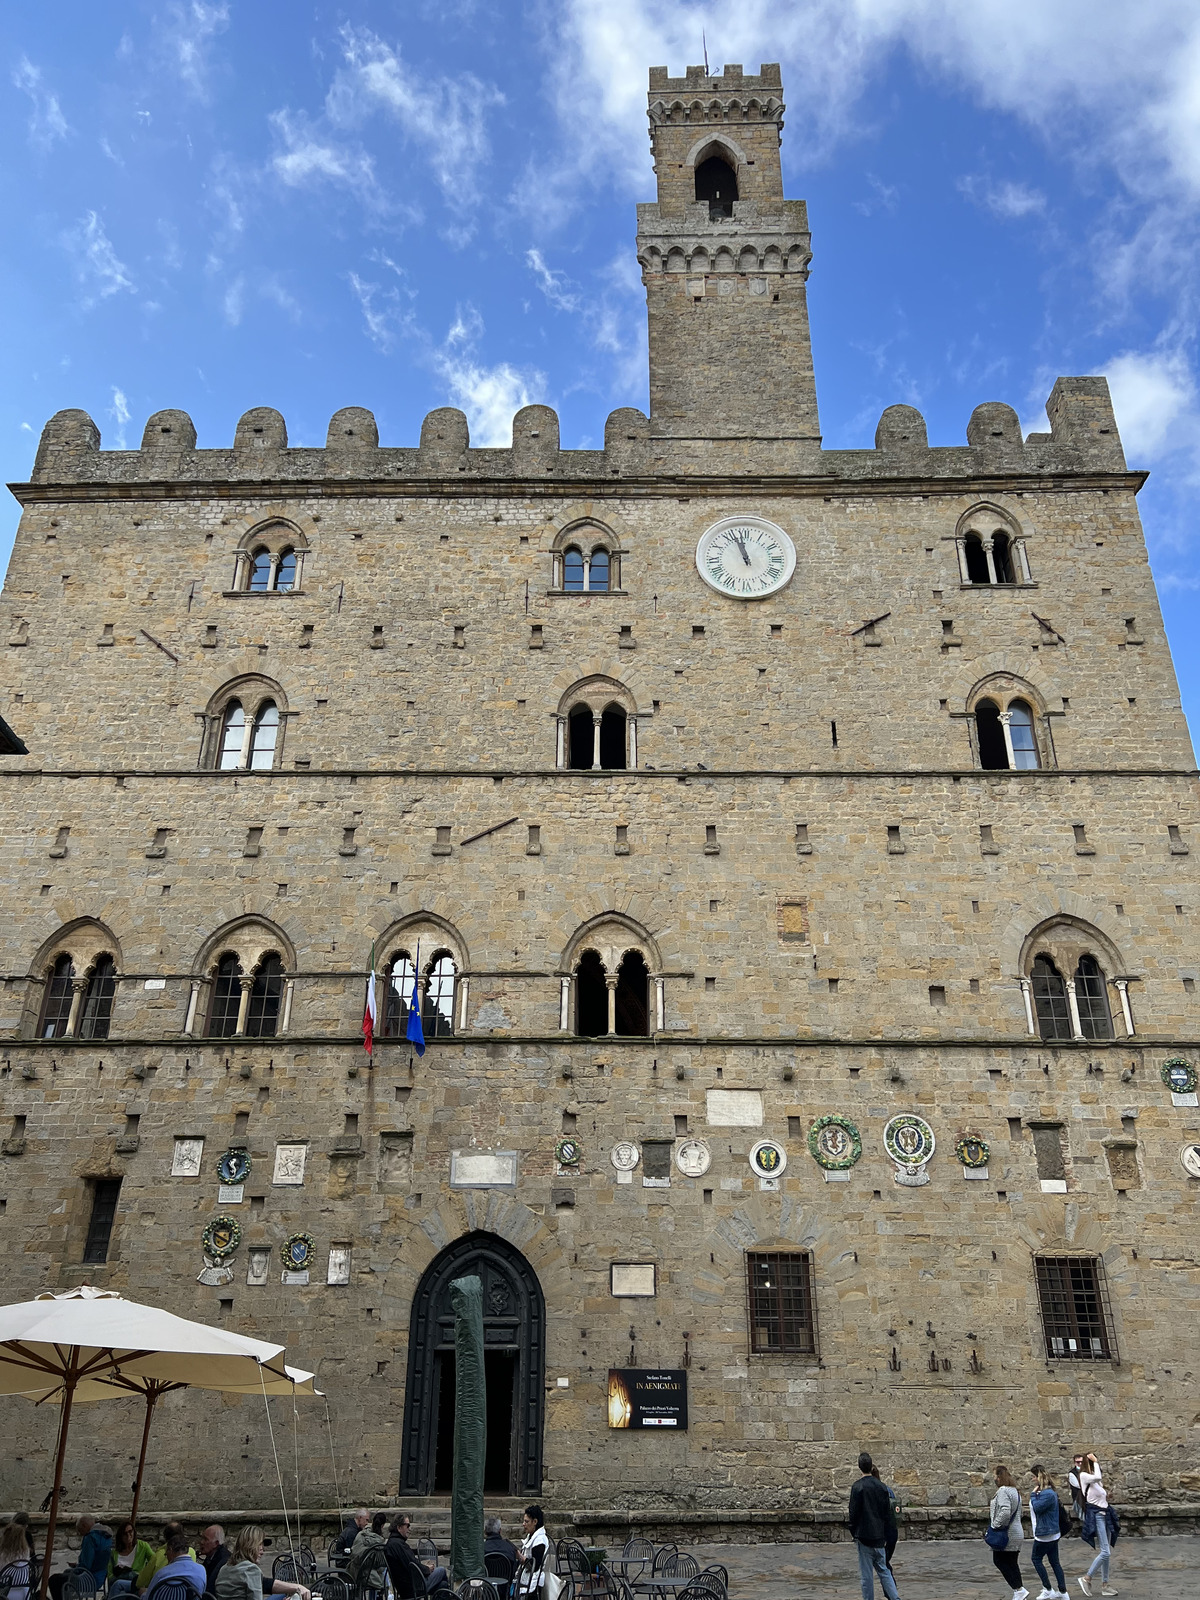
297	1252
1179	1075
768	1159
834	1143
909	1141
693	1158
625	1156
972	1151
569	1152
1189	1158
234	1165
220	1238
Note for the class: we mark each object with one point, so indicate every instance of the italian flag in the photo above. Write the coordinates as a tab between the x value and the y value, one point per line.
370	1013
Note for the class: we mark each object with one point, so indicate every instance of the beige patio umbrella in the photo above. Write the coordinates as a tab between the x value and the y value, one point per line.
90	1344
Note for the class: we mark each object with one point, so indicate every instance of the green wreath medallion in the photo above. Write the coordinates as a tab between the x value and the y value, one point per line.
972	1151
569	1152
234	1165
834	1143
221	1238
1179	1075
297	1251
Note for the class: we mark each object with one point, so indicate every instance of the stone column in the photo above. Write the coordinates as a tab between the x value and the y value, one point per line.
78	990
1123	990
1073	1007
464	990
556	570
587	574
288	990
247	982
631	722
564	1005
1027	996
660	1004
595	741
1005	721
611	985
1023	560
988	543
560	743
274	577
961	546
193	1001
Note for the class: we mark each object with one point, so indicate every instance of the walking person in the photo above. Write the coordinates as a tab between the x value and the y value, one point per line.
872	1523
1005	1534
1047	1531
894	1534
1099	1523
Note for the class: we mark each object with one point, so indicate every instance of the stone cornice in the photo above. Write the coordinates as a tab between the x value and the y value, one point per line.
620	774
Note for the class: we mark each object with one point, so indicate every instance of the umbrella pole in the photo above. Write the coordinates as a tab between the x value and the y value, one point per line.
151	1397
64	1424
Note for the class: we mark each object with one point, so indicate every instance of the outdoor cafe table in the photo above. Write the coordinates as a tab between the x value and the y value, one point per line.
651	1585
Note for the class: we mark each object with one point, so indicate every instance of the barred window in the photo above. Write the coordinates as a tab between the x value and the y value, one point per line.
782	1314
1075	1315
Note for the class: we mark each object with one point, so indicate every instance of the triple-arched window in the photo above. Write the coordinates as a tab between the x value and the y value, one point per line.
78	1007
991	548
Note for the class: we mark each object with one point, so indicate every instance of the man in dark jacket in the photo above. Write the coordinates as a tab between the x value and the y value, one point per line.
872	1522
495	1544
340	1550
411	1577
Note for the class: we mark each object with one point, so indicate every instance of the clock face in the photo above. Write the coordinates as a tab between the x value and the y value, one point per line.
746	557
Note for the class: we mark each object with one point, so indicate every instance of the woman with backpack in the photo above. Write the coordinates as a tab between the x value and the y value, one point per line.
1045	1510
1099	1523
1005	1534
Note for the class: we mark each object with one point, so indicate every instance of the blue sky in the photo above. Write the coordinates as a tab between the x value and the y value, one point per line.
215	206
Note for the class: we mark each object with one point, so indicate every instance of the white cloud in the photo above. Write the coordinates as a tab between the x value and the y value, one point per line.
1154	398
446	116
307	156
47	125
385	316
119	412
96	262
186	34
490	396
233	302
554	285
1008	200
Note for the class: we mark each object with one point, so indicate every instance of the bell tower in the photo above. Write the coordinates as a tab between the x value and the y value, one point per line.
724	258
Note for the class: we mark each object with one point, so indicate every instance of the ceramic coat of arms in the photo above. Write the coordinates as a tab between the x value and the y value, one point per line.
910	1142
834	1143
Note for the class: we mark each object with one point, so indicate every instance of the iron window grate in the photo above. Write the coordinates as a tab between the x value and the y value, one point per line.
1076	1315
782	1310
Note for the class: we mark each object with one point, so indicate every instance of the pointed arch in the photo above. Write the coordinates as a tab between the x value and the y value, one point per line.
250	938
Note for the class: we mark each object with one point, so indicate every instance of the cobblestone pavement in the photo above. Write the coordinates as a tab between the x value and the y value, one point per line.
946	1569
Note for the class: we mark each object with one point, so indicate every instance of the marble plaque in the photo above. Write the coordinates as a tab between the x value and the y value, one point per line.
1054	1185
624	1176
483	1169
1185	1099
213	1277
978	1173
769	1184
155	983
259	1269
298	1279
1189	1159
230	1194
339	1264
833	1176
632	1280
189	1153
693	1158
735	1108
289	1163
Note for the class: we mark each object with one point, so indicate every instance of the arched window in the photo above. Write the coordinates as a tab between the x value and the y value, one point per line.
633	995
233	737
1050	1000
573	571
1021	736
580	738
437	1014
285	573
98	1000
993	752
598	572
1002	556
226	999
398	995
263	736
612	738
977	567
56	1001
260	572
266	997
1091	1000
716	182
591	997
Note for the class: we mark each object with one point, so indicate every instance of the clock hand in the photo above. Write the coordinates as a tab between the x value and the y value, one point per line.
741	544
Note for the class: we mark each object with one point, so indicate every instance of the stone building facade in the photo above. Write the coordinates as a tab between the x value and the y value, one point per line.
707	877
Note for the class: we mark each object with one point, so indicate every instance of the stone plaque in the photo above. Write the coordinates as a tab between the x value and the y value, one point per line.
1185	1099
693	1158
259	1269
1189	1158
289	1163
297	1279
835	1175
624	1177
230	1194
633	1279
214	1277
1053	1185
734	1108
483	1169
339	1264
188	1157
155	983
975	1172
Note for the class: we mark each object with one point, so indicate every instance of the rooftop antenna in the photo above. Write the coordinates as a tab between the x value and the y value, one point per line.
704	43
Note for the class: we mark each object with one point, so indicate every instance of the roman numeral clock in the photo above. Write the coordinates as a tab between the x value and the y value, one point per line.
747	557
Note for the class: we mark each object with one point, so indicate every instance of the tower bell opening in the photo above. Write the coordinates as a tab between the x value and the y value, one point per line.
716	182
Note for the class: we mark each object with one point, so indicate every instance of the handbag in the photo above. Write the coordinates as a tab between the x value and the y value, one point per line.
553	1586
997	1538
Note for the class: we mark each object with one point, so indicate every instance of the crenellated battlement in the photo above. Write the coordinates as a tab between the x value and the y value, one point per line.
1083	439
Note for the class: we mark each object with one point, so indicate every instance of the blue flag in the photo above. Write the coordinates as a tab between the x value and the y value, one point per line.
414	1033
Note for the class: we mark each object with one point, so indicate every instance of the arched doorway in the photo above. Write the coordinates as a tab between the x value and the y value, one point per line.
514	1335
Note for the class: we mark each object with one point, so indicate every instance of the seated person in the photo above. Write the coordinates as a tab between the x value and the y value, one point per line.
94	1553
340	1549
129	1554
368	1539
495	1544
16	1564
411	1577
146	1572
241	1577
180	1563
